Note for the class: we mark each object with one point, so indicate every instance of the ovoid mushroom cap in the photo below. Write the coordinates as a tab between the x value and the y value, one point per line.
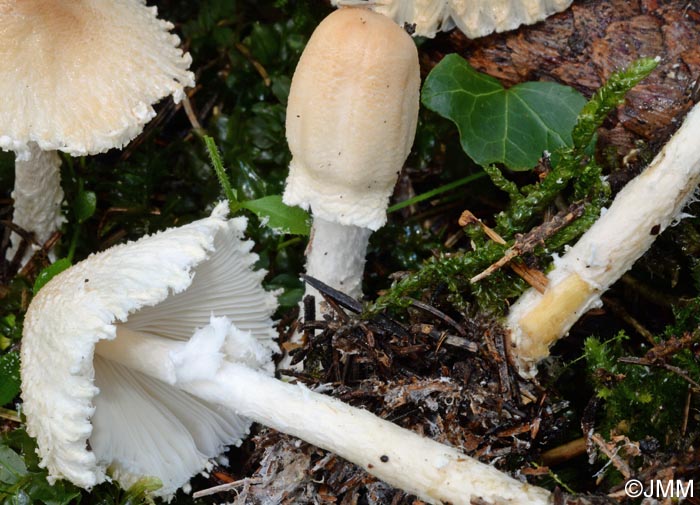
351	117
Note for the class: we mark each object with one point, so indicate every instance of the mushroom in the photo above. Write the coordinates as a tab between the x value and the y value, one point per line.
351	119
639	213
78	77
425	17
475	18
89	412
150	357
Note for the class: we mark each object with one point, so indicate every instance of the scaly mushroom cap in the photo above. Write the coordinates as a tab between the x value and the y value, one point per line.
94	417
80	76
351	117
425	17
475	18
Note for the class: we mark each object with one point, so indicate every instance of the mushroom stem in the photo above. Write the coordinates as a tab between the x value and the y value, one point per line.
434	472
336	256
37	196
640	212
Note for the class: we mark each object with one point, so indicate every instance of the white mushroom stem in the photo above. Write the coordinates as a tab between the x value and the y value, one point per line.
434	472
37	196
642	210
336	256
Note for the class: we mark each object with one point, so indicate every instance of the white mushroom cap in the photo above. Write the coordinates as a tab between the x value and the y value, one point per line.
427	16
193	280
475	18
351	117
80	76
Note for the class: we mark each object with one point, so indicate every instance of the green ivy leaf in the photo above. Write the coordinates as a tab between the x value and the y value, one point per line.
496	125
49	272
279	216
39	490
9	377
12	468
23	482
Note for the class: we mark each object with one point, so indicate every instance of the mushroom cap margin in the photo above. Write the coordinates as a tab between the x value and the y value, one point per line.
81	306
81	76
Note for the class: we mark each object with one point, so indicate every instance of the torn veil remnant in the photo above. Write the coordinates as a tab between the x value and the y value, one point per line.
475	18
351	119
641	210
149	358
76	81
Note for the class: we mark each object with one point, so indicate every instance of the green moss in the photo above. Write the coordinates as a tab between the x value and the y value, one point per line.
574	175
647	397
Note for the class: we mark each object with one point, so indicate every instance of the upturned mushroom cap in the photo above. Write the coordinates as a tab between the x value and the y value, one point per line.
351	117
475	18
94	417
80	76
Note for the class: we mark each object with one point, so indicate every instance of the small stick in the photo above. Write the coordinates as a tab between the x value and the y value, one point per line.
686	411
445	338
620	311
31	265
439	314
10	415
528	242
191	115
532	276
256	64
565	452
621	466
224	487
654	296
631	360
468	218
